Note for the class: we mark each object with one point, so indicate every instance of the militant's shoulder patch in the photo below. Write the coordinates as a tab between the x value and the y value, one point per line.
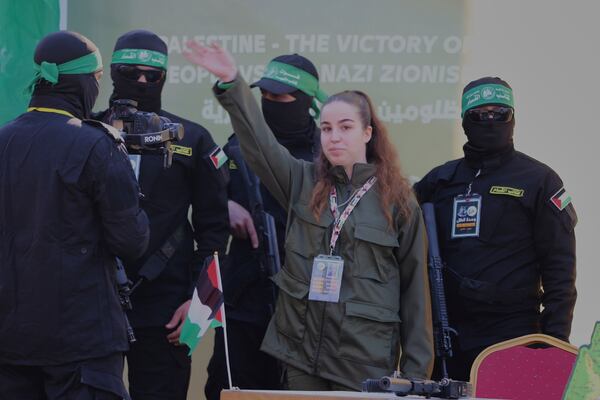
217	157
561	199
561	204
507	191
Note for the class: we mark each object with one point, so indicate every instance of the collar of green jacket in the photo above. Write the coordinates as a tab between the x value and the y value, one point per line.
361	172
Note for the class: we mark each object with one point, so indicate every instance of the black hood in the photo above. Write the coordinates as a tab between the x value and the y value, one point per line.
147	94
291	122
487	138
75	93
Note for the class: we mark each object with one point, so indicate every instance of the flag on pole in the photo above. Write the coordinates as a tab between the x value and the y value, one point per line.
206	310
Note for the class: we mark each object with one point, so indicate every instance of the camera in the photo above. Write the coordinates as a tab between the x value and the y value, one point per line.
145	132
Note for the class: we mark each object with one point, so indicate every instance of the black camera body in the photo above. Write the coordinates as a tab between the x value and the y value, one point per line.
145	132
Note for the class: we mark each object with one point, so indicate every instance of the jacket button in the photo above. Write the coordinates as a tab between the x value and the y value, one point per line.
83	250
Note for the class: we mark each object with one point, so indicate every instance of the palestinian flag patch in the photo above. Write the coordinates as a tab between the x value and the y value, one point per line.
561	199
218	157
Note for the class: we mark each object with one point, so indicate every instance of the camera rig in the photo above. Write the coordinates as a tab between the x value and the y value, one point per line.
145	132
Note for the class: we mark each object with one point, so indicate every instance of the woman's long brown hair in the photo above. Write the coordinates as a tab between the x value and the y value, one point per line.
393	188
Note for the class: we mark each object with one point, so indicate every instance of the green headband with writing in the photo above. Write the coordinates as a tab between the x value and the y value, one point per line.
149	58
487	94
297	78
87	64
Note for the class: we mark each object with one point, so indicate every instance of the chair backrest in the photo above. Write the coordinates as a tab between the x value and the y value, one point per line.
529	367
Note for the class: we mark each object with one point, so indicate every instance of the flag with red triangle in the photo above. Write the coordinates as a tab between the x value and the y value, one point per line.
206	309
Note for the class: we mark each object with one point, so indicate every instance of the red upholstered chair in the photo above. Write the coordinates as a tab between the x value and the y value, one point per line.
514	369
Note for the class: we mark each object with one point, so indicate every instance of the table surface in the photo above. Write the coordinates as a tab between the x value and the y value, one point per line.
299	395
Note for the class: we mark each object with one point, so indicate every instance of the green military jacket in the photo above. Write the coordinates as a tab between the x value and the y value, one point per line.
383	317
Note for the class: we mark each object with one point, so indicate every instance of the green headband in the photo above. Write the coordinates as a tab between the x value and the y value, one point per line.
141	57
487	94
87	64
297	78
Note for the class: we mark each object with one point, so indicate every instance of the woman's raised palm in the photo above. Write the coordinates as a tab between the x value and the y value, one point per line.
213	58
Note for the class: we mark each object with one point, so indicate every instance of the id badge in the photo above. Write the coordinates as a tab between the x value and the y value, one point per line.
326	278
466	216
135	160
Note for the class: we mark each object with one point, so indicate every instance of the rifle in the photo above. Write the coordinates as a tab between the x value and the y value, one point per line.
124	290
418	387
441	328
263	221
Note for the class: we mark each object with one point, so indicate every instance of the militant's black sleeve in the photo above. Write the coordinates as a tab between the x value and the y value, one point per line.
554	237
424	188
210	218
115	192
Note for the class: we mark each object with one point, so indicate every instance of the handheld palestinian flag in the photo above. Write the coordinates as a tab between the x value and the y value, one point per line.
206	309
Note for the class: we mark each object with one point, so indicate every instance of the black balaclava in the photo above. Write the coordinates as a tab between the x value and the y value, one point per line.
490	138
75	93
147	94
291	122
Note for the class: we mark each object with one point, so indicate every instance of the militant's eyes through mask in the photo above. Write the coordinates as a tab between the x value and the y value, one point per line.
133	73
500	114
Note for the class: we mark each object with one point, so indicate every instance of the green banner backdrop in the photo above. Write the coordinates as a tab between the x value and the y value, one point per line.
405	54
22	25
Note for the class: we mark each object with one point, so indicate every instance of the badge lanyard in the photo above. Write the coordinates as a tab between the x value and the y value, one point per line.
341	219
327	270
471	183
136	161
466	213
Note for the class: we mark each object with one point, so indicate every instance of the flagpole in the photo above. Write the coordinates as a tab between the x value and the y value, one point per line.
216	255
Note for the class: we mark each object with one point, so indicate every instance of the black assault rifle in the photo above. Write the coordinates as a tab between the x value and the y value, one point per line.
263	221
441	329
124	290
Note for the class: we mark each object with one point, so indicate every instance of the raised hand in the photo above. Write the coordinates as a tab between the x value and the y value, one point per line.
212	58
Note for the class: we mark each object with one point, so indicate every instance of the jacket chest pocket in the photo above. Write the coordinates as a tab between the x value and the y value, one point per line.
374	254
292	303
305	236
303	242
370	335
505	220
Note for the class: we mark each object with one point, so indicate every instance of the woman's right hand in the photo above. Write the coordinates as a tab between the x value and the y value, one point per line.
212	58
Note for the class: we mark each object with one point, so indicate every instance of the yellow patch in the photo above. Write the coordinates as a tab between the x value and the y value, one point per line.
508	191
184	151
232	164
